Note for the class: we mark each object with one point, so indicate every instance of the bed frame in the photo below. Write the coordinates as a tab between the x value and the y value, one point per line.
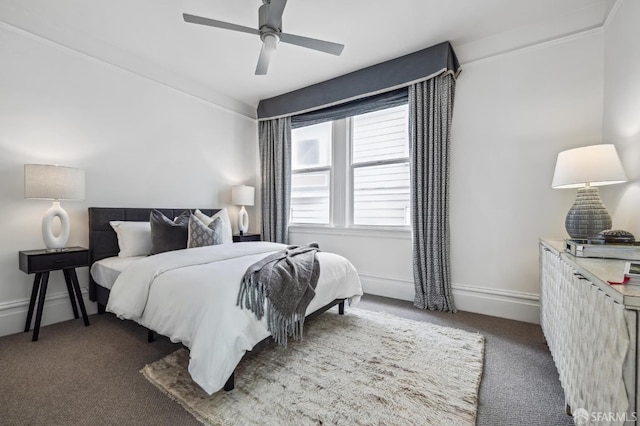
103	243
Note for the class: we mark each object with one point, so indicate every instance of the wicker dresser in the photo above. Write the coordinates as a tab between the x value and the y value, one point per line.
591	328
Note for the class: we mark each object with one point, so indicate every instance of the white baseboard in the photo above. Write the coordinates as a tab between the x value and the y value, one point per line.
387	286
513	305
494	302
57	308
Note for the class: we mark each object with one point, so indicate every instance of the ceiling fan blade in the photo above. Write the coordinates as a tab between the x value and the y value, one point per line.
269	43
218	24
276	9
312	43
263	61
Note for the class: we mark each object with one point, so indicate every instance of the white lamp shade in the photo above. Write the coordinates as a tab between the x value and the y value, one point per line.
48	182
242	195
596	165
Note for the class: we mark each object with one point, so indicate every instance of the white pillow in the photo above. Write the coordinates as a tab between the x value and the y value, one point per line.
134	238
227	233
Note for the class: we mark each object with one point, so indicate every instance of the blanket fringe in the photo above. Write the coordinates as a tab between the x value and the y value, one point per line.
253	296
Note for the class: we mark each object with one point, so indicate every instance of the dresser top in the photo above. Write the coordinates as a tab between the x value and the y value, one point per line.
600	272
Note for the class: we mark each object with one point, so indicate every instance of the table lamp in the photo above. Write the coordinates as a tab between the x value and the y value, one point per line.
47	182
587	168
242	195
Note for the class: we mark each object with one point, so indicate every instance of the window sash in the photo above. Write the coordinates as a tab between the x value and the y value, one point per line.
322	135
380	136
301	211
394	211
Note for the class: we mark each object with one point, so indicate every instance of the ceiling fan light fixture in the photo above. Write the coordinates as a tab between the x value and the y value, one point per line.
270	41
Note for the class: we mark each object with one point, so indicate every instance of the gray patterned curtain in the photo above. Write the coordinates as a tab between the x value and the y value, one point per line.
430	112
275	159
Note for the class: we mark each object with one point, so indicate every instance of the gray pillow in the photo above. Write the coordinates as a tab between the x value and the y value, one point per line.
167	234
201	235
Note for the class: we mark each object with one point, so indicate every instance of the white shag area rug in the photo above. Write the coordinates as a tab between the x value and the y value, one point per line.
361	368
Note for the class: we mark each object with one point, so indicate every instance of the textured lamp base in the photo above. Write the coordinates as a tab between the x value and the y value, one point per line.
588	215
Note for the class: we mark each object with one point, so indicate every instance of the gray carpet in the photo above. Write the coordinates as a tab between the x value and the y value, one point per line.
90	375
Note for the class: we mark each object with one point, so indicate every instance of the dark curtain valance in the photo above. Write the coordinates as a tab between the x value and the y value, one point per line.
349	109
376	79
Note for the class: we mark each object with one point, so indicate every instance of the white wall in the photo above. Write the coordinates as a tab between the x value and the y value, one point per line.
622	110
513	113
512	116
141	144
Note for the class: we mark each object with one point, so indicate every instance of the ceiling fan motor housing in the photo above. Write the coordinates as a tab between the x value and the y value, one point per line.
263	20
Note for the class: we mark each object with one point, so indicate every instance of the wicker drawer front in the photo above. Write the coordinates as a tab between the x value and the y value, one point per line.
588	337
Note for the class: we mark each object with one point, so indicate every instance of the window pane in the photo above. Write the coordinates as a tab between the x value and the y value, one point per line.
311	146
381	135
310	197
381	195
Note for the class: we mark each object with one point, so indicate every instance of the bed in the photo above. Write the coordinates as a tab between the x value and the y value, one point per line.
190	295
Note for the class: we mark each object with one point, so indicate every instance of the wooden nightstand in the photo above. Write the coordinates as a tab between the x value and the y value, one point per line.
237	238
41	262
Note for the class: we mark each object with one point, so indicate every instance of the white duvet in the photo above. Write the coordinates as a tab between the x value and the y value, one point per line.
190	296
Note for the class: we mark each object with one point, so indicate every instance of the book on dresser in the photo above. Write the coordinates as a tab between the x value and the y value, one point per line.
632	273
582	248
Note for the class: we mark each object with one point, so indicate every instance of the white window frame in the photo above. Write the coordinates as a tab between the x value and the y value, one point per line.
341	211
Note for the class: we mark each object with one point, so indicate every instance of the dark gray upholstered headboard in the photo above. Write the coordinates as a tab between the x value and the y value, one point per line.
103	241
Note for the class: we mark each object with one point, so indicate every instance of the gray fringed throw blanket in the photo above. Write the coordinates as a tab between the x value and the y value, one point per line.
288	280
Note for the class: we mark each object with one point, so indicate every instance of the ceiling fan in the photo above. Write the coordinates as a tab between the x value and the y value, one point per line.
270	32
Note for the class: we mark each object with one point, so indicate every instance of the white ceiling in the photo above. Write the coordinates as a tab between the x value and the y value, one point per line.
149	37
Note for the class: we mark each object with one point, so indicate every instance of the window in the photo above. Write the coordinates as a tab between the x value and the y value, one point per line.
311	174
353	171
380	167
